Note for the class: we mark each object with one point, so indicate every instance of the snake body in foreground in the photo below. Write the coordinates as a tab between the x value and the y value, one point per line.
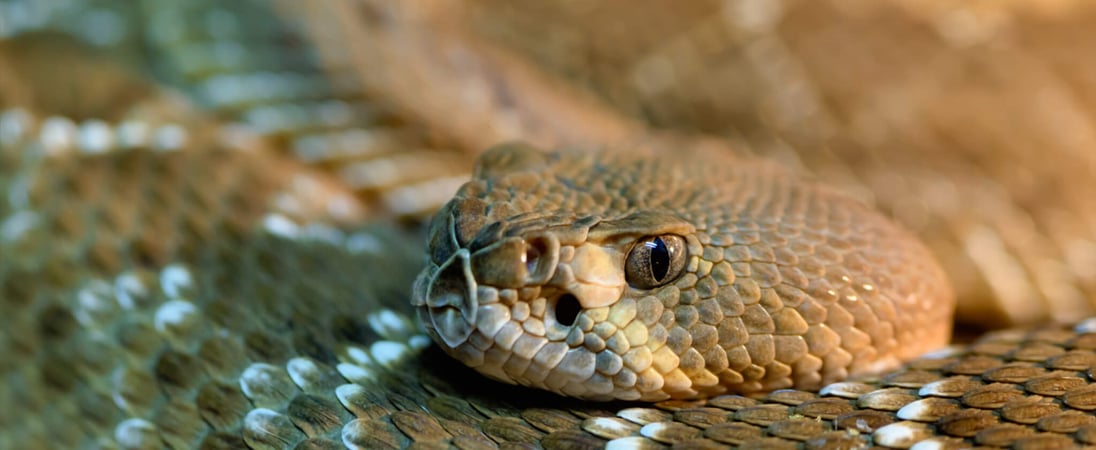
252	328
671	276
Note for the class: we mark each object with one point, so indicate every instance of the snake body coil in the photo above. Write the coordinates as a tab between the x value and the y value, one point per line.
646	278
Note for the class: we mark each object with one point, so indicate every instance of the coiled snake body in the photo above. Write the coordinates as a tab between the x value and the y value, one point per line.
167	280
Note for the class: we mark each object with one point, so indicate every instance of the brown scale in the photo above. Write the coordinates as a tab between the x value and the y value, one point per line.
765	342
374	150
876	119
463	403
157	235
94	87
968	144
169	204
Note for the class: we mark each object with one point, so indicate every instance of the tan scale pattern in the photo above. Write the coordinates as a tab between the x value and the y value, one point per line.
122	322
786	284
247	64
65	326
969	122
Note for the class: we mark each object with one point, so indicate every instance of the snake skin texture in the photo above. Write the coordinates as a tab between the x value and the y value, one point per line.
782	283
204	245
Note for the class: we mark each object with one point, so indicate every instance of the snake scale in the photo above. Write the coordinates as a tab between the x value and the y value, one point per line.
220	259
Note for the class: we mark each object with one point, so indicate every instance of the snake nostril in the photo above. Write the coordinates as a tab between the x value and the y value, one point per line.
567	309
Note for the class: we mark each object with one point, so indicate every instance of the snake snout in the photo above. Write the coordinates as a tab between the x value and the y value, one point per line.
448	297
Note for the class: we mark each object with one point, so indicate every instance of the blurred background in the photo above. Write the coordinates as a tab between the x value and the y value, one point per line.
970	122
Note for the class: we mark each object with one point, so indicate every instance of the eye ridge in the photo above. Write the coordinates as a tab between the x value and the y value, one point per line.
655	261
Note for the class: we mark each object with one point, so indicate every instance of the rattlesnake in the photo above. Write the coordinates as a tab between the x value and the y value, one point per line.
677	275
227	295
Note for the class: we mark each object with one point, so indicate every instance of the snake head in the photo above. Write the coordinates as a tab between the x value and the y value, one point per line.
613	277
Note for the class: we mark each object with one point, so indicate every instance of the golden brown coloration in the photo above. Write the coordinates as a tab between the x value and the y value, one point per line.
618	277
184	318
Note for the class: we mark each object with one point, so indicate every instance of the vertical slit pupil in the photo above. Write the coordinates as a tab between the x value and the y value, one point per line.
660	258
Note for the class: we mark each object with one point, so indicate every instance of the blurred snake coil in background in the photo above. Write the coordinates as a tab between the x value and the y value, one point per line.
208	231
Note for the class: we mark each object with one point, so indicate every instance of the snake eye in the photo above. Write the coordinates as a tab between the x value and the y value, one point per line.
655	261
